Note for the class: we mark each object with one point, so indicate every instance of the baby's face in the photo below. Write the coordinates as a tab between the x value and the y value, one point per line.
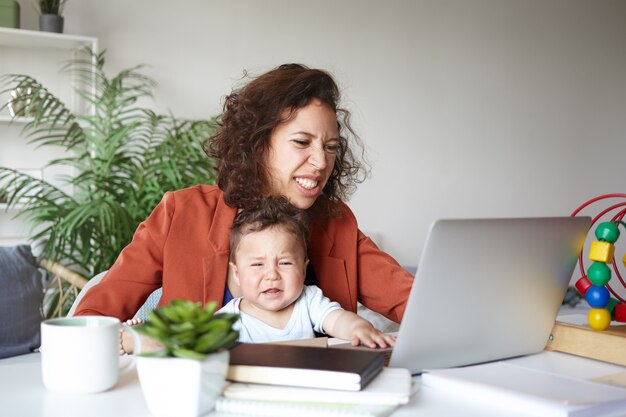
270	266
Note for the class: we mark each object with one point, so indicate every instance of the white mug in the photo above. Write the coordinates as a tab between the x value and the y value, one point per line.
80	354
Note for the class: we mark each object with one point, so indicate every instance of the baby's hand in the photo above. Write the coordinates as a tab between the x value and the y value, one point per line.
127	342
367	335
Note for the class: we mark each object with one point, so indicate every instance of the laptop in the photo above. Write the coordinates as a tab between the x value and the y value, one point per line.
487	289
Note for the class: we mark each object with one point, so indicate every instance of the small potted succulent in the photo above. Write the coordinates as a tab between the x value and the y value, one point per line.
187	375
50	15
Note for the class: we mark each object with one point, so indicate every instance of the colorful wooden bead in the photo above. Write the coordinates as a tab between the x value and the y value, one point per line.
611	307
599	318
620	313
582	285
601	251
592	286
608	232
598	273
597	297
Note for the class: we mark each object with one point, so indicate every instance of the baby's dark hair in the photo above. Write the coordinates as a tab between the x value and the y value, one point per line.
275	211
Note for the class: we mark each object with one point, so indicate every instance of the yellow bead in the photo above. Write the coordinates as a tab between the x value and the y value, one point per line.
601	251
599	318
624	260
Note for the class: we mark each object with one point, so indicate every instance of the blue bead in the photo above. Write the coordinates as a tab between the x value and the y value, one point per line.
597	297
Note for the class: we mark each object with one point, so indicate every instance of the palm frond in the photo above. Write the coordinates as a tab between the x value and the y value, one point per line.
124	156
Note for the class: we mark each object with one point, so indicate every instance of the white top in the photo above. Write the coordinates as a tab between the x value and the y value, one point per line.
309	312
23	393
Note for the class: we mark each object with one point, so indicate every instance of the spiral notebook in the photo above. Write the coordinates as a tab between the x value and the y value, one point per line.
391	388
300	409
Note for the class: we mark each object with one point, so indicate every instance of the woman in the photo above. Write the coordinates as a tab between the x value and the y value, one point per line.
281	134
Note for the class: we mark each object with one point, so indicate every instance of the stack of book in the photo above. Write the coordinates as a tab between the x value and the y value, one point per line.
283	380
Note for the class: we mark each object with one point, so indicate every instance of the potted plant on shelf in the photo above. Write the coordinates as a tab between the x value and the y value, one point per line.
188	374
124	158
50	15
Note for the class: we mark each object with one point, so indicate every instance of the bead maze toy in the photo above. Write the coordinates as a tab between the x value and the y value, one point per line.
599	340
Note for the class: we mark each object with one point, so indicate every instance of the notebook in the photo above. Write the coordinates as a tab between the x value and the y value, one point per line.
265	408
392	386
304	366
538	392
487	289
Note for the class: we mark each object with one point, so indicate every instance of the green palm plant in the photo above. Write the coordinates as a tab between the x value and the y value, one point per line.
125	158
50	6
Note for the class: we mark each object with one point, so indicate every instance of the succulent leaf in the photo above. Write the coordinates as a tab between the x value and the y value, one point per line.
186	329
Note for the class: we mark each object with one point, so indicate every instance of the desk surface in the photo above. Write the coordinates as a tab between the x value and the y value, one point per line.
22	392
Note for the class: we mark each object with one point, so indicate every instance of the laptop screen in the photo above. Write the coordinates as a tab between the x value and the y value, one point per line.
487	289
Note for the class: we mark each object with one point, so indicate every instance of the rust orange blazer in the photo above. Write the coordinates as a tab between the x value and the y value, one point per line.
183	246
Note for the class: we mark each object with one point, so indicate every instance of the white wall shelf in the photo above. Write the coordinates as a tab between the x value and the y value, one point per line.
40	55
6	119
21	38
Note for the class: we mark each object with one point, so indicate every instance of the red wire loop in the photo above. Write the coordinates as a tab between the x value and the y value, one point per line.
618	217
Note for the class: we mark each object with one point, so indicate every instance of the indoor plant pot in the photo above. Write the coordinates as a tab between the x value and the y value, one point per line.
182	387
185	378
51	23
9	14
50	15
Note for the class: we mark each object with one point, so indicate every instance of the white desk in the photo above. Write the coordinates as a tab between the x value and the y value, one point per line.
22	393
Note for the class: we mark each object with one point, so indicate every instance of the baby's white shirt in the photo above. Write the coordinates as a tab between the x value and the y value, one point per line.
309	312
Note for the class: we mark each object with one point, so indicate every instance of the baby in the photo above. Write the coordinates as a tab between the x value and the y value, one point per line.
269	262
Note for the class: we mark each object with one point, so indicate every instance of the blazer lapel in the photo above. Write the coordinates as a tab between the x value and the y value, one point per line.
215	263
220	226
330	271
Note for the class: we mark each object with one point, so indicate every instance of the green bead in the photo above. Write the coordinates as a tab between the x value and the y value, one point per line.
599	273
607	232
611	305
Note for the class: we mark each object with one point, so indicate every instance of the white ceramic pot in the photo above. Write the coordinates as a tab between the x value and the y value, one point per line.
182	387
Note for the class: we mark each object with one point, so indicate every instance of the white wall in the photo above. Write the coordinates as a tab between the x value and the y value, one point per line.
468	108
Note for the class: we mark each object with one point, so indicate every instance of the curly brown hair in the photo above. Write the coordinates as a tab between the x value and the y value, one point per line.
241	143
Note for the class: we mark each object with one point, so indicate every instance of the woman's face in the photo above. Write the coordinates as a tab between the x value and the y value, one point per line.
302	154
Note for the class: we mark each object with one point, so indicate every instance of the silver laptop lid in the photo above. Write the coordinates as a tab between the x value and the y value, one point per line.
487	289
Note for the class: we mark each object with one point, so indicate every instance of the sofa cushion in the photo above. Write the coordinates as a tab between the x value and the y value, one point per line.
21	294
